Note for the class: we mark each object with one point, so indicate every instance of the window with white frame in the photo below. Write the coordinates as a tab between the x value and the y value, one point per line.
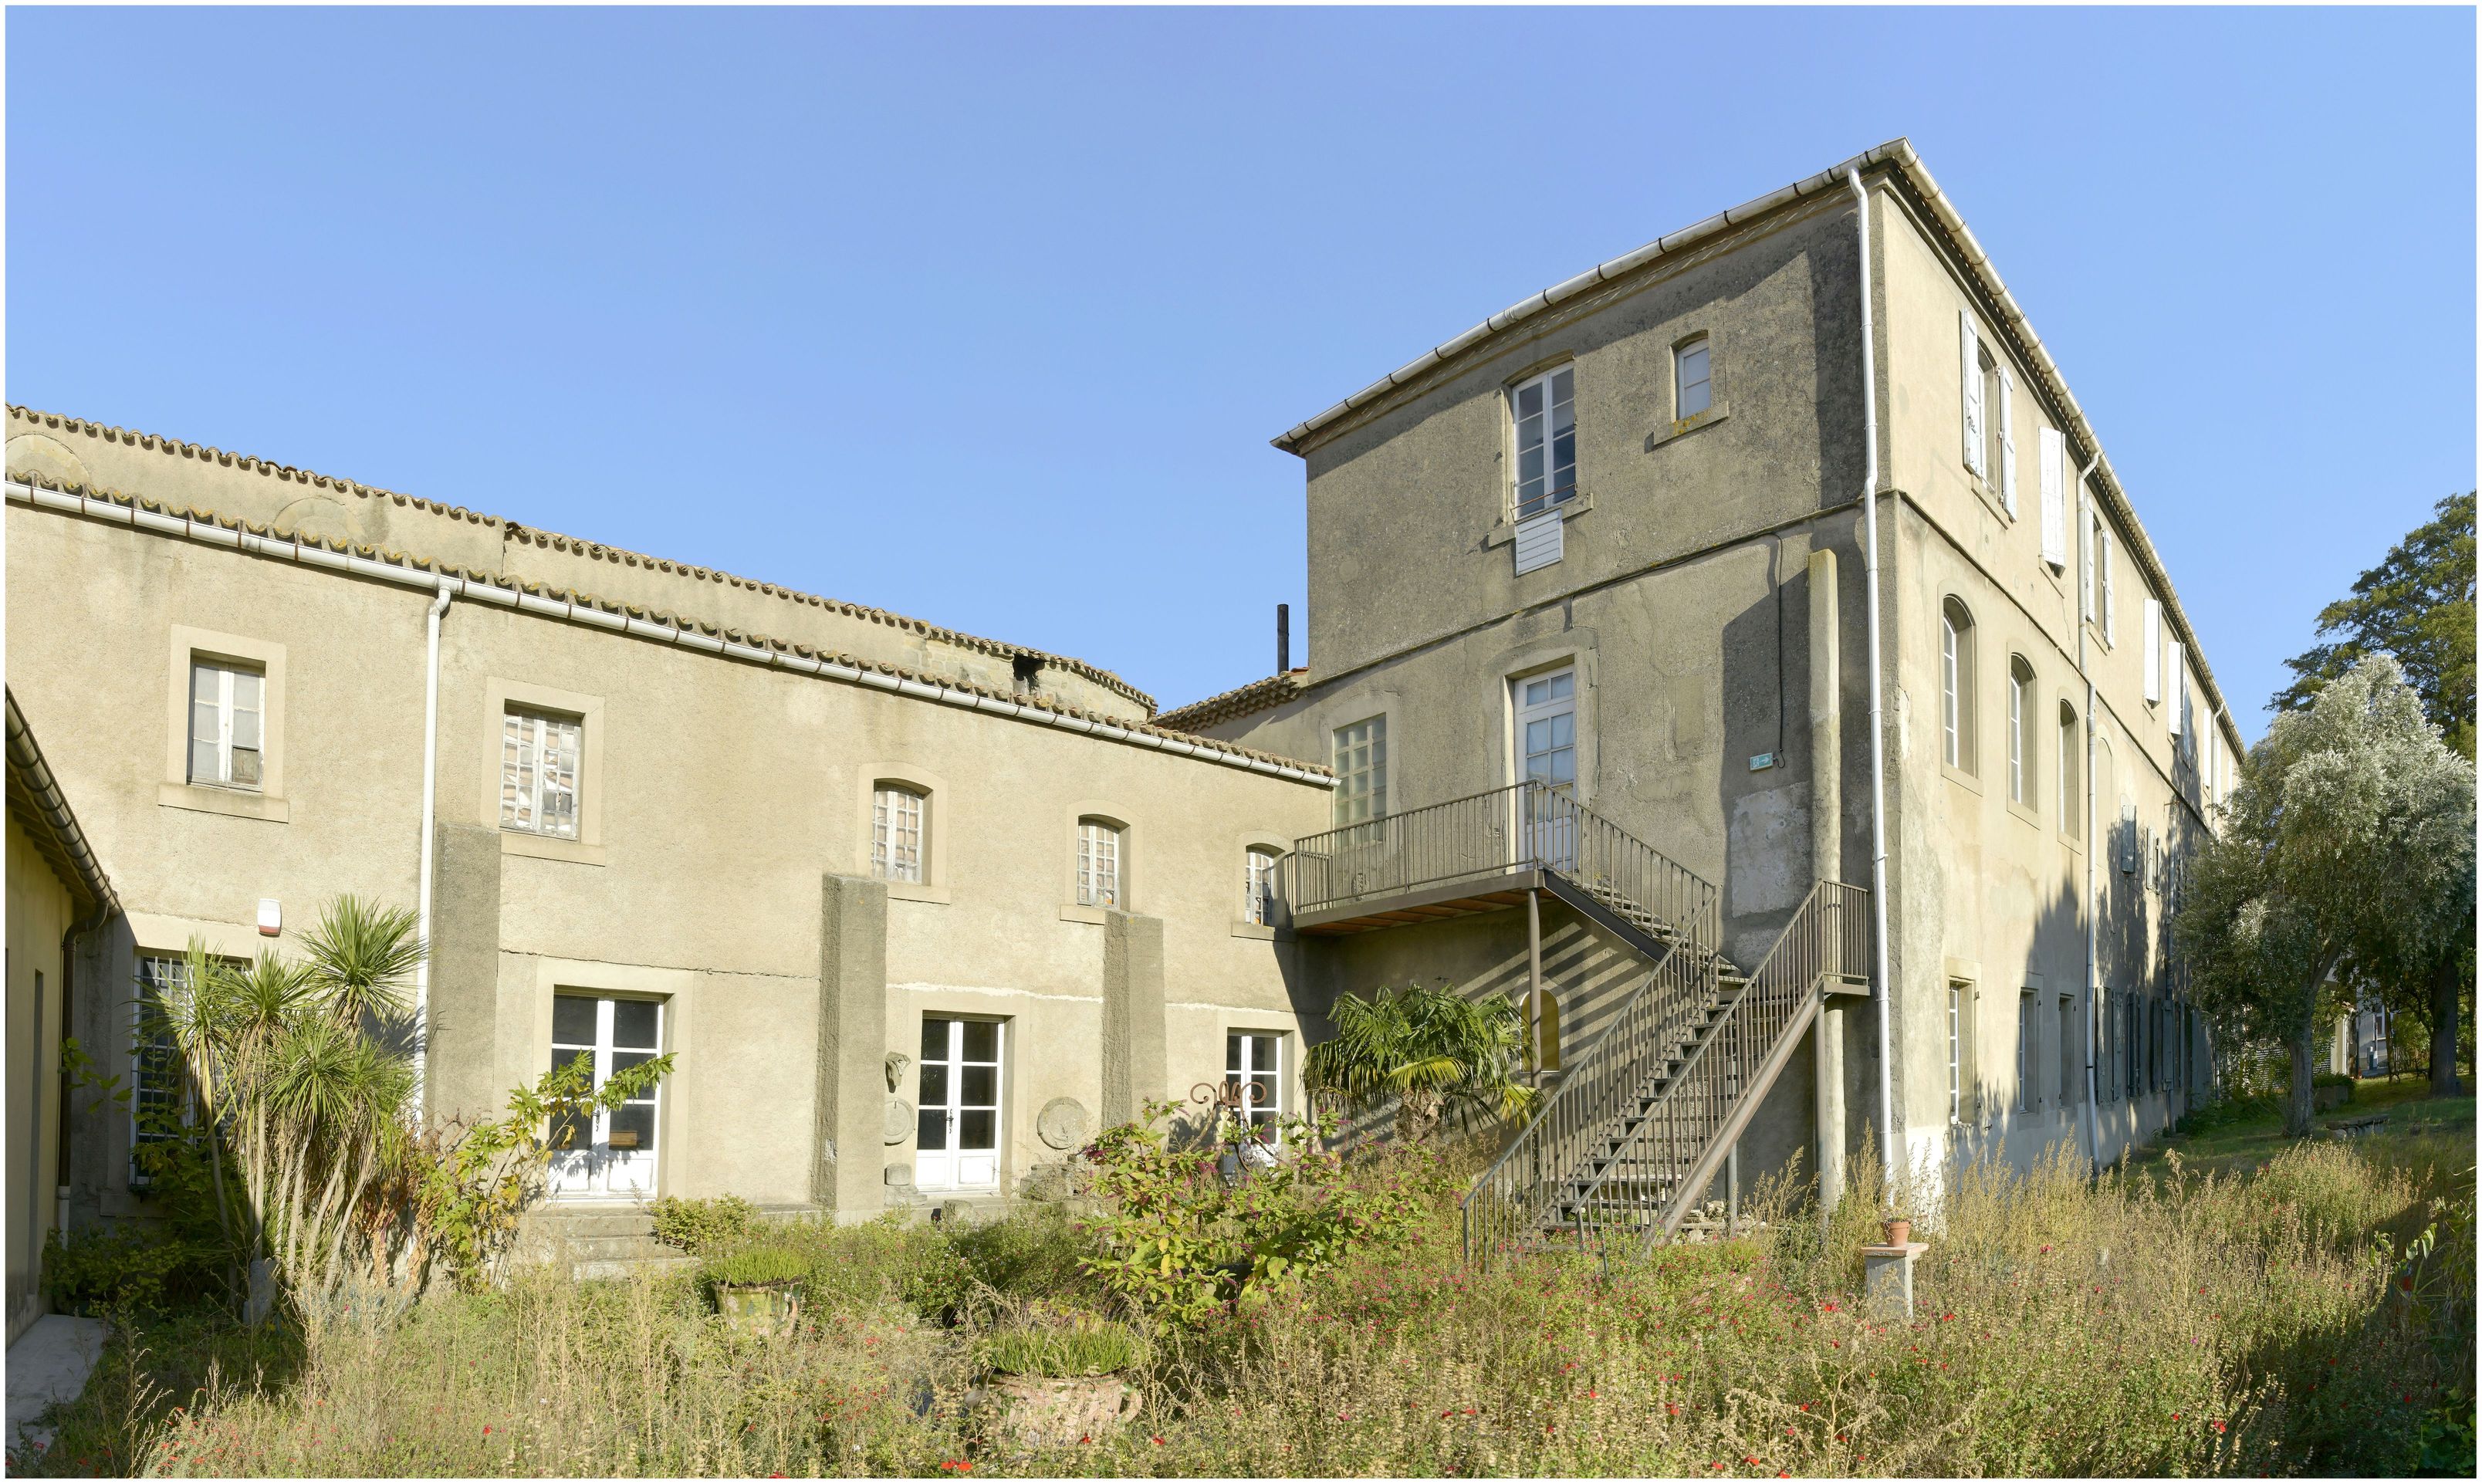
1254	1062
1955	1053
1544	410
1362	771
2068	1051
2021	748
1098	863
2073	812
1258	885
896	816
227	724
1693	381
1956	685
159	1087
538	759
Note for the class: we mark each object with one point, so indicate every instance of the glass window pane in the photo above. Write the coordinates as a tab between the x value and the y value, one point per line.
1232	1055
633	1127
931	1127
204	685
1529	400
572	1020
979	1087
634	1023
203	761
934	1038
246	688
982	1041
978	1131
245	768
935	1084
245	726
569	1133
622	1061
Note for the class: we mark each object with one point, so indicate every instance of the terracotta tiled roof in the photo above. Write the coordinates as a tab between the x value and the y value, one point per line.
1240	701
653	625
594	550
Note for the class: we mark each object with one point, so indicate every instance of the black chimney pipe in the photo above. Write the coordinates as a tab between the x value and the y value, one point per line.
1283	638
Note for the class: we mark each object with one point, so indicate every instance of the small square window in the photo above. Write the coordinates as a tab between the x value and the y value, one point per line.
227	724
539	767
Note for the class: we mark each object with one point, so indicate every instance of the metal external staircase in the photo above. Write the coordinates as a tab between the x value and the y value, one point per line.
1644	1116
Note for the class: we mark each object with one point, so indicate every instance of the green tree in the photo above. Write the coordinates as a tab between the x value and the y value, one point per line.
2416	605
2347	846
1430	1048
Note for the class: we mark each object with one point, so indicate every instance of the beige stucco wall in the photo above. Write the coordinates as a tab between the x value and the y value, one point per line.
181	475
717	797
41	912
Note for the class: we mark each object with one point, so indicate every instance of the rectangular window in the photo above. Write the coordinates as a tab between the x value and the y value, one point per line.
1362	771
1254	1061
1695	386
1955	1053
228	718
957	1121
611	1152
1098	863
1545	412
1949	743
2133	1027
2017	688
896	834
2025	1062
2068	1051
1258	886
2072	810
538	754
159	1102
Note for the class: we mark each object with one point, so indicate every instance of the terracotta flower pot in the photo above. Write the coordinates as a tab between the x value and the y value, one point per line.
1897	1231
1041	1412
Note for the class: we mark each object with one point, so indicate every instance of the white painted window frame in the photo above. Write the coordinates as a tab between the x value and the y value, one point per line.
223	722
1553	494
1100	852
898	833
526	788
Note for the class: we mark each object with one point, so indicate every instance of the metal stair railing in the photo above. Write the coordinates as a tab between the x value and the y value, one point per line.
1650	1173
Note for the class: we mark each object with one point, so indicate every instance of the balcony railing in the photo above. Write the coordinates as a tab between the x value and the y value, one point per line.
1524	826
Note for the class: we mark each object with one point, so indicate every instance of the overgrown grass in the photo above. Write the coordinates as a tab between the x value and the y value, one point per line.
2160	1322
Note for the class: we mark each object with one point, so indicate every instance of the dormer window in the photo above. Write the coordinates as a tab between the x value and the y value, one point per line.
1545	414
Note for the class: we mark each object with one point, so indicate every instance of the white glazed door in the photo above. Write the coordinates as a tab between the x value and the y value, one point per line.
1546	732
957	1134
611	1155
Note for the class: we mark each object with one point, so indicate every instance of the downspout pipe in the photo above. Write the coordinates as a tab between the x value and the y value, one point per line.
2094	929
1877	691
430	802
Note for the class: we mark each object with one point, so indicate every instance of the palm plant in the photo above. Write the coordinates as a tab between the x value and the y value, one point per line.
1432	1049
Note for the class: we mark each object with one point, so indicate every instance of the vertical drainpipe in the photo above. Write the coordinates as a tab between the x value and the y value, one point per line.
422	890
2094	929
1878	690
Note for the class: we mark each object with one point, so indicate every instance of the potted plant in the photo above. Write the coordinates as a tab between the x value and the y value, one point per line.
755	1286
1057	1380
1896	1230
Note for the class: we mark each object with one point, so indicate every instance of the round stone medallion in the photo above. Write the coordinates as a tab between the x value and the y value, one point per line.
1063	1123
900	1121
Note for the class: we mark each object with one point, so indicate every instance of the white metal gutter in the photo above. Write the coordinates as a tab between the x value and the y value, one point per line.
408	573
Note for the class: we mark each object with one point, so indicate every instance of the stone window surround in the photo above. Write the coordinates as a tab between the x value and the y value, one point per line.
499	694
1248	840
675	989
1966	771
937	800
2032	724
1119	818
268	800
1577	653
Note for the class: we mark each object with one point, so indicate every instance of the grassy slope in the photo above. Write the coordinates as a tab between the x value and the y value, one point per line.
2244	1143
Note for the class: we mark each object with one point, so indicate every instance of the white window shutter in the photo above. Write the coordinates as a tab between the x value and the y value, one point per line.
1972	394
1541	540
2176	676
2008	443
2055	497
2154	650
2102	540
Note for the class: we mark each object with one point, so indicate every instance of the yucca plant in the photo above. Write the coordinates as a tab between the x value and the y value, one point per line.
1436	1052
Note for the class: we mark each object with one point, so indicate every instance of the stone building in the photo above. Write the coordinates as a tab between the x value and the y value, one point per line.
1611	539
1587	721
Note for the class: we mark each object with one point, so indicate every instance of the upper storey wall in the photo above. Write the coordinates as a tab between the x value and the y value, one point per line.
182	474
1409	503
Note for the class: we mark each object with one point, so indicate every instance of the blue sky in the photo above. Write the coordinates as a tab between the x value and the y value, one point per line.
987	316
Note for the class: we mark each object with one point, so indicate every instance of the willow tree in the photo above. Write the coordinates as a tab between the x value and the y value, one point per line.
2349	843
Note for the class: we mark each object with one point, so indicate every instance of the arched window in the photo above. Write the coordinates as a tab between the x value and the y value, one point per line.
2021	730
1258	885
1099	862
897	815
1956	685
2073	812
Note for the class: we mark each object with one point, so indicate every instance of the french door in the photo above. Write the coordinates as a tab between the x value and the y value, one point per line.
1546	734
611	1155
957	1132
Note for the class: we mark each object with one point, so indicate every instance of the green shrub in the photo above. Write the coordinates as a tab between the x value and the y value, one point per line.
695	1226
892	1260
137	1266
1085	1346
750	1267
2333	1080
1033	1254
